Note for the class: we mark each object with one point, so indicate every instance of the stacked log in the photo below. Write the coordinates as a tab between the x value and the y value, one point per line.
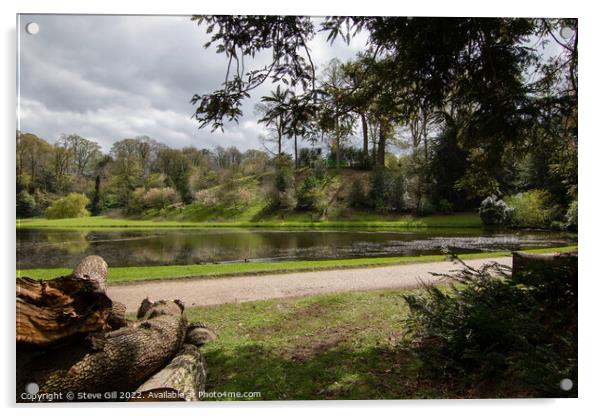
74	343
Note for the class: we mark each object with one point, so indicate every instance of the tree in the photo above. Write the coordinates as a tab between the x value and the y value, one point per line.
95	208
71	206
177	168
32	159
83	151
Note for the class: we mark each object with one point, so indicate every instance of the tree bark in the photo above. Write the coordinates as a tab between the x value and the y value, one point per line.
54	311
382	144
120	361
365	134
181	380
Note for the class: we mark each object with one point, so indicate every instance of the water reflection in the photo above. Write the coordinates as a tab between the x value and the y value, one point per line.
62	248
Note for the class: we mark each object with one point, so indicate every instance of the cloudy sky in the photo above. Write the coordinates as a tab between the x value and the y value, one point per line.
111	77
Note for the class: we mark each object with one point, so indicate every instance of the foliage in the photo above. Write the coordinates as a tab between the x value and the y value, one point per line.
425	207
572	216
26	205
159	198
310	196
70	206
494	211
95	209
386	191
357	197
445	207
488	328
533	208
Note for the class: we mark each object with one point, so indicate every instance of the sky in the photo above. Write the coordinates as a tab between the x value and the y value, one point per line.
112	77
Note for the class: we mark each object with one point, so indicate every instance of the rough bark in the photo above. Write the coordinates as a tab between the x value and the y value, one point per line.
181	380
55	311
119	362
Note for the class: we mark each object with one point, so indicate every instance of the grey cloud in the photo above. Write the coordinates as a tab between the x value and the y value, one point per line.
110	77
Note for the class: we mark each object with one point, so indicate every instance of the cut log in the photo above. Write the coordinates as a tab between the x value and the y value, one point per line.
127	357
53	311
531	268
181	380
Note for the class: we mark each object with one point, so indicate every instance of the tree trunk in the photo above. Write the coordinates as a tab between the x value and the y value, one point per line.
528	267
296	163
382	144
119	361
53	311
365	134
181	380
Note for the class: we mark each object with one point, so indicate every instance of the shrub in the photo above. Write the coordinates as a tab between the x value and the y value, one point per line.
379	190
357	197
425	207
486	328
159	198
532	208
206	197
310	195
281	200
571	216
237	197
445	207
494	211
26	204
71	206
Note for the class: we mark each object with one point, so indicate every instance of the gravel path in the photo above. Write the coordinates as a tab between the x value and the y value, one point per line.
199	291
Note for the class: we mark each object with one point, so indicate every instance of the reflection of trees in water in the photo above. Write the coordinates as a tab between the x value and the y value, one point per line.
54	248
73	242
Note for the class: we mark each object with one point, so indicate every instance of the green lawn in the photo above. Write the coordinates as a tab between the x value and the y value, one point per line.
334	346
464	220
128	274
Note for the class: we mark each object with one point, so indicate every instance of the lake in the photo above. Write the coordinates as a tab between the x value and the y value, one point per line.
48	248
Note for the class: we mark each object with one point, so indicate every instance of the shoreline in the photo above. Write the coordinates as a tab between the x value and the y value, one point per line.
135	274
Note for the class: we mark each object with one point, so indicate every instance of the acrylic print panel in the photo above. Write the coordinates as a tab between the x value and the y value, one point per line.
295	208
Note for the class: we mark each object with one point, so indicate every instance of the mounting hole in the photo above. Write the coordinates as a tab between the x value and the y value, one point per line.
566	32
32	388
566	384
32	28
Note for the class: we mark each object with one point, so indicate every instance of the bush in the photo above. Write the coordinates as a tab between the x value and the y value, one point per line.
571	216
71	206
357	197
206	197
494	211
487	328
379	190
532	209
425	207
311	196
445	207
281	200
26	205
159	198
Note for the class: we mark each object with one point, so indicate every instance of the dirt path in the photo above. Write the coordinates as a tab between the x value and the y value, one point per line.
198	292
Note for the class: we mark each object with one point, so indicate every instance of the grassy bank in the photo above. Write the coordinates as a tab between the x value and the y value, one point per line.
335	346
464	220
131	274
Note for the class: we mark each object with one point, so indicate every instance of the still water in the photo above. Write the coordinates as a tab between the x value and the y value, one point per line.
63	248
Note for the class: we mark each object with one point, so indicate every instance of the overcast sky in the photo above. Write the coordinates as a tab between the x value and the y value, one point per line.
112	77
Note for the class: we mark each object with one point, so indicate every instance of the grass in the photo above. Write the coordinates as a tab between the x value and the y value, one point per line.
333	346
132	274
336	346
464	220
